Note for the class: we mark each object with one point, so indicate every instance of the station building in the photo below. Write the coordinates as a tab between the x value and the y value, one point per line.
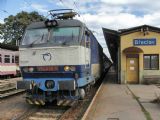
135	53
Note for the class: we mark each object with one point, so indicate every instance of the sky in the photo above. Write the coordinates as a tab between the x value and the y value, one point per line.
111	14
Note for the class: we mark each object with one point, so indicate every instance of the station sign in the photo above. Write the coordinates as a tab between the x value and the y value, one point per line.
144	42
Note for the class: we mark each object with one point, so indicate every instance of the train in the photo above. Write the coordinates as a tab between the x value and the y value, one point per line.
9	61
59	59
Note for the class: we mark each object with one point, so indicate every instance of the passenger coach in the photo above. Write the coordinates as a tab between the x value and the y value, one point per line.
9	61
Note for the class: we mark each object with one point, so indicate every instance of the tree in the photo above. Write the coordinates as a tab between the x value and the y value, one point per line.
14	26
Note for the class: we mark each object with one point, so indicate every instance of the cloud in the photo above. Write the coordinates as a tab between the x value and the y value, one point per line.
34	6
39	7
111	14
1	21
118	14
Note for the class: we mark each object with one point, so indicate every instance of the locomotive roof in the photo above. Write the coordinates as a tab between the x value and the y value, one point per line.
61	23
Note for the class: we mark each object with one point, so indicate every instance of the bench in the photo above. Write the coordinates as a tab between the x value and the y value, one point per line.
151	79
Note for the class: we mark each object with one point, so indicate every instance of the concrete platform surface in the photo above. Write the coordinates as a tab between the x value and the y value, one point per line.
146	95
115	102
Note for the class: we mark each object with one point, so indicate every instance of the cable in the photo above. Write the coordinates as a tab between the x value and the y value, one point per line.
29	4
63	3
5	11
74	3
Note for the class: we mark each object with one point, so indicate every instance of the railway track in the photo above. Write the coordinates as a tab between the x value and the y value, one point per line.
65	109
47	112
158	85
8	87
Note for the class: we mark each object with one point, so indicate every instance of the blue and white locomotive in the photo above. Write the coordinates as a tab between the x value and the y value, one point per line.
59	59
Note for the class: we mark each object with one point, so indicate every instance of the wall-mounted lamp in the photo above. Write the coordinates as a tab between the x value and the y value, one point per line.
145	30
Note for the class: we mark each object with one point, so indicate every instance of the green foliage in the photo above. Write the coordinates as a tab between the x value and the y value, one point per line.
14	26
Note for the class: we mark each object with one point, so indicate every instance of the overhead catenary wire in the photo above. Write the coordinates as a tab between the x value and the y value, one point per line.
79	12
28	3
74	3
64	3
4	11
76	7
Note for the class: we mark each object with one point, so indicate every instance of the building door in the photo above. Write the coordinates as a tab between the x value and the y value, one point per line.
132	70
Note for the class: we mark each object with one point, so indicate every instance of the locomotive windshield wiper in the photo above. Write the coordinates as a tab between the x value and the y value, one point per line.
30	45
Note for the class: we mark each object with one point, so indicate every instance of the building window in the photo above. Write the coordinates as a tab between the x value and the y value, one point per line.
6	59
151	62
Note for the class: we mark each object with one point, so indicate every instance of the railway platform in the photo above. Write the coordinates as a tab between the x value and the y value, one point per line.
122	102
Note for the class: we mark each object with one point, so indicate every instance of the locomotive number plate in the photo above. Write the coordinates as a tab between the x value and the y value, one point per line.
47	68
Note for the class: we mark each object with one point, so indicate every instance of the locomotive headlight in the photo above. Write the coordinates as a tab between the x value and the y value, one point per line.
30	69
73	68
49	84
66	68
76	76
25	69
54	22
50	23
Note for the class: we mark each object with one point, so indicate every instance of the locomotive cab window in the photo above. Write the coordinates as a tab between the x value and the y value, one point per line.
151	62
35	36
87	39
65	36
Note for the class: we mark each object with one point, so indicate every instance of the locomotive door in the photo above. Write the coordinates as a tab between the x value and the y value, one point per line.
87	51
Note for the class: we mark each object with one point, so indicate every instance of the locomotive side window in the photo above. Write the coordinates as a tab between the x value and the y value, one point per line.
65	36
16	59
13	59
87	40
6	58
87	49
35	36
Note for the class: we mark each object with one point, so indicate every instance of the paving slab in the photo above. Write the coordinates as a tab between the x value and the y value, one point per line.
153	109
114	102
146	95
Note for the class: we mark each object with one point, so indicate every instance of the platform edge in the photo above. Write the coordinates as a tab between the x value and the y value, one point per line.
94	98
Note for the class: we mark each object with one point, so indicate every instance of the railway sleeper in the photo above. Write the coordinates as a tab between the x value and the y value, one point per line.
8	89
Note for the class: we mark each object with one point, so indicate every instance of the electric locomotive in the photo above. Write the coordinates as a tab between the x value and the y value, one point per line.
59	59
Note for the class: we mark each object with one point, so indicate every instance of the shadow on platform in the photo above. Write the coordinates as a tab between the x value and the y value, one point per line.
110	78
